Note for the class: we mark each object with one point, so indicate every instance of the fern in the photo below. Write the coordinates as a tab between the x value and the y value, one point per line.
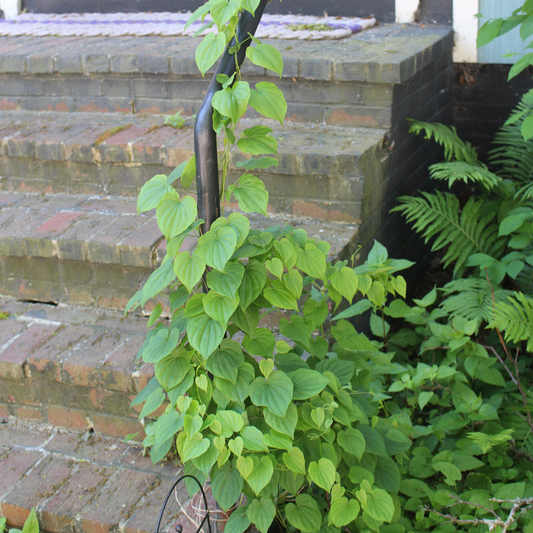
512	153
514	316
471	298
446	136
464	234
453	171
524	193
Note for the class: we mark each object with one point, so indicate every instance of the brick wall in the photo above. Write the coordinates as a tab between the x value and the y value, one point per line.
483	100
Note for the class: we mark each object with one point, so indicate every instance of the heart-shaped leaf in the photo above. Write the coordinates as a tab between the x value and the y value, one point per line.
226	282
261	474
174	215
274	393
295	461
305	515
268	100
216	247
226	484
204	334
261	513
225	362
322	473
189	268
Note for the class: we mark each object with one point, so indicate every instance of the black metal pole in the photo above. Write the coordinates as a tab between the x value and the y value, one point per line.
205	138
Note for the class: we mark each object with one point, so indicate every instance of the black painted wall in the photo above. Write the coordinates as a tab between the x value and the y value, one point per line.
435	12
483	100
382	9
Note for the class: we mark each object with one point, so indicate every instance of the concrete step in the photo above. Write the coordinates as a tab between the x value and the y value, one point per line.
343	83
321	169
85	482
91	250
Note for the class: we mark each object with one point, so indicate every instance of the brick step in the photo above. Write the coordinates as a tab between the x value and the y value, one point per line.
343	83
85	482
321	172
75	367
94	250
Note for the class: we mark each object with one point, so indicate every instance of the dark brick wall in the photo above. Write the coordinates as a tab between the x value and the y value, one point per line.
435	12
483	100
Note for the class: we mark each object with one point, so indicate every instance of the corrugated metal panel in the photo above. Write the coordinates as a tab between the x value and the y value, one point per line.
510	42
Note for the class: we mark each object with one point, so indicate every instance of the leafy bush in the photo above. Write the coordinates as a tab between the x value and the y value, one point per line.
30	526
324	427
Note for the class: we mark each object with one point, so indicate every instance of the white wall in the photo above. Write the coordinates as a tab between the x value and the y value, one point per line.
11	8
405	10
465	25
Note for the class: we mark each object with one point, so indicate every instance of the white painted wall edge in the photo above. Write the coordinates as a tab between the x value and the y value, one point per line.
11	8
406	10
465	25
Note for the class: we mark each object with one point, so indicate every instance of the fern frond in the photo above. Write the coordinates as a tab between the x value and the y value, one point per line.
514	316
461	171
524	193
471	298
437	215
512	153
446	136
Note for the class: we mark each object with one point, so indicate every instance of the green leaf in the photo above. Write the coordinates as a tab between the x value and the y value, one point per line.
31	525
423	399
251	194
253	281
268	100
158	281
171	370
223	10
315	313
209	50
153	402
346	282
204	334
275	266
189	172
519	66
261	474
251	6
294	282
189	268
227	281
217	247
253	439
220	307
274	392
174	215
295	461
356	309
265	55
227	484
261	513
312	261
322	473
307	383
379	505
262	343
232	102
152	192
352	441
238	522
297	329
488	32
374	441
167	426
225	362
387	475
160	345
343	511
286	424
259	162
258	145
513	222
305	515
230	421
194	447
279	296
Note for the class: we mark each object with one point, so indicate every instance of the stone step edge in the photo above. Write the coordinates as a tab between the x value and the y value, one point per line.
84	482
108	230
132	141
343	60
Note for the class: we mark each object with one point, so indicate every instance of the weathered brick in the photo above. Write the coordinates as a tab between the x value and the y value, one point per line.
94	449
117	369
15	435
46	361
10	328
60	511
13	356
117	426
135	250
12	467
134	458
82	365
67	418
34	489
115	501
